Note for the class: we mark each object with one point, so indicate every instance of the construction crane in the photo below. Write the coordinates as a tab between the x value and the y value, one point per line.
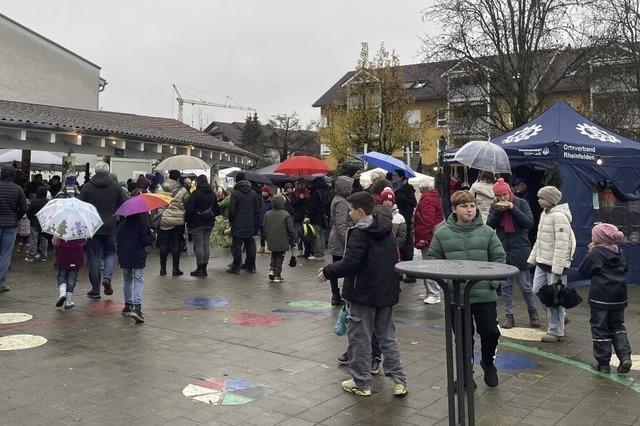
182	101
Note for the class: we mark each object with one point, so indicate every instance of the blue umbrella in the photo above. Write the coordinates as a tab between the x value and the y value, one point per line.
387	162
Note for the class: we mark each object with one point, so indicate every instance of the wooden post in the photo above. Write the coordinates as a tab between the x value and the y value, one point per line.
25	167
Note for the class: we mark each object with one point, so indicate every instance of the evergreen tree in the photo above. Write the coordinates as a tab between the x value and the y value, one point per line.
252	134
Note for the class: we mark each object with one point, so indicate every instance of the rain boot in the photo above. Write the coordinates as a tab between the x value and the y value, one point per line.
62	295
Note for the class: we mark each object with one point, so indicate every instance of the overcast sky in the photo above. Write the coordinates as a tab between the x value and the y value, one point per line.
277	56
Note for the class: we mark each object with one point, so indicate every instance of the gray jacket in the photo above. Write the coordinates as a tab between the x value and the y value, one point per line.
340	219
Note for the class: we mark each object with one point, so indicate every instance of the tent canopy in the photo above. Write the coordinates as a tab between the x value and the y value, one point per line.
562	134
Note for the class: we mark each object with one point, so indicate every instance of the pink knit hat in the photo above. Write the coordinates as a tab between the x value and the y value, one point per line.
606	234
501	187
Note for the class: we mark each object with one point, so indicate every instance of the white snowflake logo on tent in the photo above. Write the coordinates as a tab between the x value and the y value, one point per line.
594	132
523	134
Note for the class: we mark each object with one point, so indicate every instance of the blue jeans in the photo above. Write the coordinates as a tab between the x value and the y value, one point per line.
298	229
7	240
98	248
68	277
133	285
555	316
38	244
524	282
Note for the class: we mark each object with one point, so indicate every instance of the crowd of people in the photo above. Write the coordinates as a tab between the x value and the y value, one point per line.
366	232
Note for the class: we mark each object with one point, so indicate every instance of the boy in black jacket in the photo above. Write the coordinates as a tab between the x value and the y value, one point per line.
133	236
606	266
370	257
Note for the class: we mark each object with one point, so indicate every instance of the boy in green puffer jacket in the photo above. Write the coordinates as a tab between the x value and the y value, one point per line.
466	237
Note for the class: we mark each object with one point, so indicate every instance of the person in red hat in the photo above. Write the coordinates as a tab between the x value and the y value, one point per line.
512	219
399	225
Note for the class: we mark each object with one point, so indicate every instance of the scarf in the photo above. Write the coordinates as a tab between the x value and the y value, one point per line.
506	220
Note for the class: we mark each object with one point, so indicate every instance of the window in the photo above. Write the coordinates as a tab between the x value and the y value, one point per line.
324	121
413	116
324	149
441	120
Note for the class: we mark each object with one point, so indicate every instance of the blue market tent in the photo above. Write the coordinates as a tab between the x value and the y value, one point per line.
591	161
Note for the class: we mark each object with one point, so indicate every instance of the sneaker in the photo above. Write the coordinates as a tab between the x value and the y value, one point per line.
625	366
278	279
126	311
550	338
432	300
316	259
343	359
337	301
136	314
106	283
93	295
233	271
30	259
601	368
423	296
43	259
4	289
509	321
490	374
375	366
175	273
68	304
350	386
271	275
399	390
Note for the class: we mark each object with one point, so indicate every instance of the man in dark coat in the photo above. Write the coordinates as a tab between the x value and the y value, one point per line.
319	215
300	204
244	215
353	171
406	202
512	219
106	195
13	205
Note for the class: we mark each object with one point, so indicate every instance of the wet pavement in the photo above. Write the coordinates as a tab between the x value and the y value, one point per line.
235	349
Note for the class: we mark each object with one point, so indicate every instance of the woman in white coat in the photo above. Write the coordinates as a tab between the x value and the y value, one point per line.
552	253
482	189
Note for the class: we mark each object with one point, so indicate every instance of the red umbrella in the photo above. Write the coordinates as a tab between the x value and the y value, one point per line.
302	165
140	204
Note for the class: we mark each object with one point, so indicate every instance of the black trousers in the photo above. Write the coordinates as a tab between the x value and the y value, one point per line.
484	319
170	240
249	248
406	249
277	257
335	290
607	328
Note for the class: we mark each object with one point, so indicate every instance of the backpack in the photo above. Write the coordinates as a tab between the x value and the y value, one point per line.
156	216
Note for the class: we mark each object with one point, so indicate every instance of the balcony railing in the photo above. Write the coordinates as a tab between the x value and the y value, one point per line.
466	93
467	127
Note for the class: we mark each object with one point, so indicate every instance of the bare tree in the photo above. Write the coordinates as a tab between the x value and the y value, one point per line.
288	135
511	53
615	73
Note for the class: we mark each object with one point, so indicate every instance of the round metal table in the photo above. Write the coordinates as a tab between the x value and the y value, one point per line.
463	275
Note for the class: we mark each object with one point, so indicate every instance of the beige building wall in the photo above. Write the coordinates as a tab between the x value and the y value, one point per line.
36	70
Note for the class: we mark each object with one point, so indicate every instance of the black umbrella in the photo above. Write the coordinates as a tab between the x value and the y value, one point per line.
252	177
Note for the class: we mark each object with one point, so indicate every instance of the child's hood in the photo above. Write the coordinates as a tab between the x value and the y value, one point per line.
609	258
379	228
562	209
278	202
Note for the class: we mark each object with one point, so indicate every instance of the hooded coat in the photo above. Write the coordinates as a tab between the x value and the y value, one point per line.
428	214
318	202
607	271
483	191
106	195
132	237
370	257
36	206
202	207
516	244
474	241
244	210
339	214
278	226
174	213
406	200
555	242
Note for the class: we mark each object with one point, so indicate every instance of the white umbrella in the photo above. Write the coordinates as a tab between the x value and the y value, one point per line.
69	219
182	162
484	155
